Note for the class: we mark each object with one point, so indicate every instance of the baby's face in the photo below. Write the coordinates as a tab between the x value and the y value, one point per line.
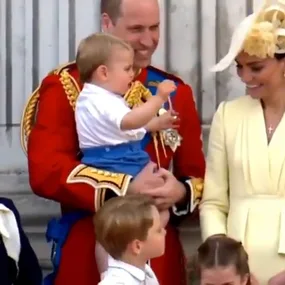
120	70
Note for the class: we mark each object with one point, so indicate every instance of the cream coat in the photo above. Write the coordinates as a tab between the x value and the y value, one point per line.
244	195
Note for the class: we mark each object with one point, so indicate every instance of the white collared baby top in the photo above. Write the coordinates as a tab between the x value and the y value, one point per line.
121	273
98	116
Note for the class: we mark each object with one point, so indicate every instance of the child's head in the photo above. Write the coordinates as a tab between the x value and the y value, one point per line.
130	227
221	260
106	61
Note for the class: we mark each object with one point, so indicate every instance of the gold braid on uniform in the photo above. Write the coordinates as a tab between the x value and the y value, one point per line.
137	95
70	87
28	118
30	110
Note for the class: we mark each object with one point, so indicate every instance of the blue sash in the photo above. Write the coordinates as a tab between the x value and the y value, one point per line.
57	233
58	229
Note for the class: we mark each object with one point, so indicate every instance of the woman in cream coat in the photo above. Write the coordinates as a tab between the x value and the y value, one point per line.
244	194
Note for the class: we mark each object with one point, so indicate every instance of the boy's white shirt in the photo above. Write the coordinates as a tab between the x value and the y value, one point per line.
9	231
121	273
98	116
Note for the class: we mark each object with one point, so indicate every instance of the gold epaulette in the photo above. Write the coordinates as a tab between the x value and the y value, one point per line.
70	86
137	94
71	89
28	118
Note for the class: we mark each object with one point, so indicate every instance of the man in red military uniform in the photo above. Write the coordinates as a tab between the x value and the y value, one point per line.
48	128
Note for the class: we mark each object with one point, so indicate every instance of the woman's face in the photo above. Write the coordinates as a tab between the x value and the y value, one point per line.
222	276
262	77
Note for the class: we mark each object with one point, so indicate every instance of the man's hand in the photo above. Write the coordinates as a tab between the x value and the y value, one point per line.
148	178
160	184
170	193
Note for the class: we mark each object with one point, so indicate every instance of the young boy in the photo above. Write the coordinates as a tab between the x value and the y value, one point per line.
130	230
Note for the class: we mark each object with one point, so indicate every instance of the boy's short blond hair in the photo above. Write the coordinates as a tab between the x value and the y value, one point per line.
94	51
122	220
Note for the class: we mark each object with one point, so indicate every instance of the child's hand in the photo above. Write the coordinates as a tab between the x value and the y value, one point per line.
165	88
168	120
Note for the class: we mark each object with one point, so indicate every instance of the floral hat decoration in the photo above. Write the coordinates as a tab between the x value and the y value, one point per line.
261	34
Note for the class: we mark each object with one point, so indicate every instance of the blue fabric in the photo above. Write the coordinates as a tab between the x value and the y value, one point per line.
57	232
128	158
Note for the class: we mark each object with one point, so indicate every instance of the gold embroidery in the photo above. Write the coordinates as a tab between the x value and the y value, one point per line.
28	118
30	109
137	94
198	187
153	83
70	87
100	180
60	68
100	197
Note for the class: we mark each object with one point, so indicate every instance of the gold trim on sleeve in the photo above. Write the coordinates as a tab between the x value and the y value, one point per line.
71	89
28	118
100	180
196	187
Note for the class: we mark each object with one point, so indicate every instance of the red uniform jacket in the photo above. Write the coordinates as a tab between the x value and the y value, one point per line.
56	173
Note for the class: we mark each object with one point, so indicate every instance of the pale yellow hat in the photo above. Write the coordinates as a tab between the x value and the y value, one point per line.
260	34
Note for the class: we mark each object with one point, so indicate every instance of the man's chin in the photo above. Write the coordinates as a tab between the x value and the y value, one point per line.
142	63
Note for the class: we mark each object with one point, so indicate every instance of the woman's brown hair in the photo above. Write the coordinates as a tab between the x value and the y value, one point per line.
216	251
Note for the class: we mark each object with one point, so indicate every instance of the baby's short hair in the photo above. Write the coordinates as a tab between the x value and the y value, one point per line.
122	220
95	50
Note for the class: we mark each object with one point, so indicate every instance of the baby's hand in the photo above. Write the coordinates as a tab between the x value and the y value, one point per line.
165	88
168	120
